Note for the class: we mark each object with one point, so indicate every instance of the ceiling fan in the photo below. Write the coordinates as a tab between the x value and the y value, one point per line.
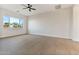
29	7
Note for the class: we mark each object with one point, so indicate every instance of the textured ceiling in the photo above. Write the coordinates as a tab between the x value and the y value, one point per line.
40	8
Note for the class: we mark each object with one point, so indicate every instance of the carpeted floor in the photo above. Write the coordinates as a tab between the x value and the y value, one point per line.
37	45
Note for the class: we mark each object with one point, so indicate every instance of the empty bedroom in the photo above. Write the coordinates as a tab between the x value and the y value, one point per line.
39	29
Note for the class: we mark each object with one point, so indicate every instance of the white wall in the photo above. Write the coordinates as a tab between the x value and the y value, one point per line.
75	29
55	23
9	31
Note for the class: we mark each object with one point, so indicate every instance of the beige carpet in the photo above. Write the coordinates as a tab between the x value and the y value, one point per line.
37	45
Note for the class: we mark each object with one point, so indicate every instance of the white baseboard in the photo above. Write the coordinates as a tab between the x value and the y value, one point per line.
50	35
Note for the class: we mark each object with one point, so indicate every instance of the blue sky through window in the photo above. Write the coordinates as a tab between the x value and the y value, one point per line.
6	19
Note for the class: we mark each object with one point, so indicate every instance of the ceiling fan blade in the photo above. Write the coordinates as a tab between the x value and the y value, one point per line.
33	8
30	10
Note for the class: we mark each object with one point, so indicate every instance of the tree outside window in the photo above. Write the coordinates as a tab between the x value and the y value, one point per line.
12	22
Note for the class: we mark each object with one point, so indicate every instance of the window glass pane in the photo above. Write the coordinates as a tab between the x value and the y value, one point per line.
11	21
21	22
14	22
6	19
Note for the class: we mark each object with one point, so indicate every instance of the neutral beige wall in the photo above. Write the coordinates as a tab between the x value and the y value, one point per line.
75	29
10	31
55	23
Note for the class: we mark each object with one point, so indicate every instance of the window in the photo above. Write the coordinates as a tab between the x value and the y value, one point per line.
6	21
21	23
12	22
